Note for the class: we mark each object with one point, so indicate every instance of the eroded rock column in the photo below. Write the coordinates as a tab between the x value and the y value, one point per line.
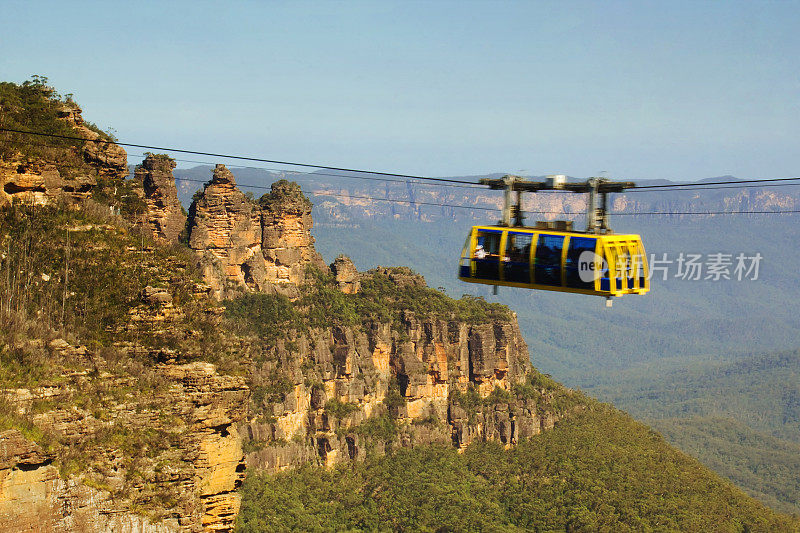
225	230
287	244
164	218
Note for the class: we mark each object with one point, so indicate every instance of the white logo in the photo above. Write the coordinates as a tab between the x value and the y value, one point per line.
590	265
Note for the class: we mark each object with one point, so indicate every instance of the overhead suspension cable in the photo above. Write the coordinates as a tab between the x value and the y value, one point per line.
464	185
243	158
374	174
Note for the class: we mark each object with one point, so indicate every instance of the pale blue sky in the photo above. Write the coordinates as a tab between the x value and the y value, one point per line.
639	89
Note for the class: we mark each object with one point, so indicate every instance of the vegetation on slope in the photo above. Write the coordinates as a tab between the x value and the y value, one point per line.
82	271
595	471
381	298
762	391
766	467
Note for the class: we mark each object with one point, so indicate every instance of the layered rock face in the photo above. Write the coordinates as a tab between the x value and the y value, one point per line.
225	230
39	182
245	245
164	217
287	244
201	474
427	381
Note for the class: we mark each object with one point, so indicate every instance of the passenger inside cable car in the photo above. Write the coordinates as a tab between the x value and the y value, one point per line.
518	251
487	255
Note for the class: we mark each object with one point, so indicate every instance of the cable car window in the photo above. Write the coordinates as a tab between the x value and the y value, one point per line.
487	254
516	261
643	261
548	260
488	243
581	263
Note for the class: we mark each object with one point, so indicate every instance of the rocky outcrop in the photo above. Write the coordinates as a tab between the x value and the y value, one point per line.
225	230
346	275
244	245
107	159
164	217
64	172
287	244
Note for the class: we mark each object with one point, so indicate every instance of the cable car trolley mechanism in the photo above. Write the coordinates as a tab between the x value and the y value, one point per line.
552	255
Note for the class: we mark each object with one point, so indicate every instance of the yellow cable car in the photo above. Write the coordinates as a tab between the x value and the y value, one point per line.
552	256
566	261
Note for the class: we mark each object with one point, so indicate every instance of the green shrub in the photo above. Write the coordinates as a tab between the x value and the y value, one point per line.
499	395
394	399
379	428
266	315
272	390
339	409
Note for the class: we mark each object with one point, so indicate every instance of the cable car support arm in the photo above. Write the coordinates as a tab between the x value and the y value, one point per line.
597	211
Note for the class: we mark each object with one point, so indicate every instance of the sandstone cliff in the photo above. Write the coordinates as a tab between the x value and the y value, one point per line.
186	481
335	394
39	183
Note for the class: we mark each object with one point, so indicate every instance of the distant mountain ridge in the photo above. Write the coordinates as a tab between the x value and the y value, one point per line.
340	198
